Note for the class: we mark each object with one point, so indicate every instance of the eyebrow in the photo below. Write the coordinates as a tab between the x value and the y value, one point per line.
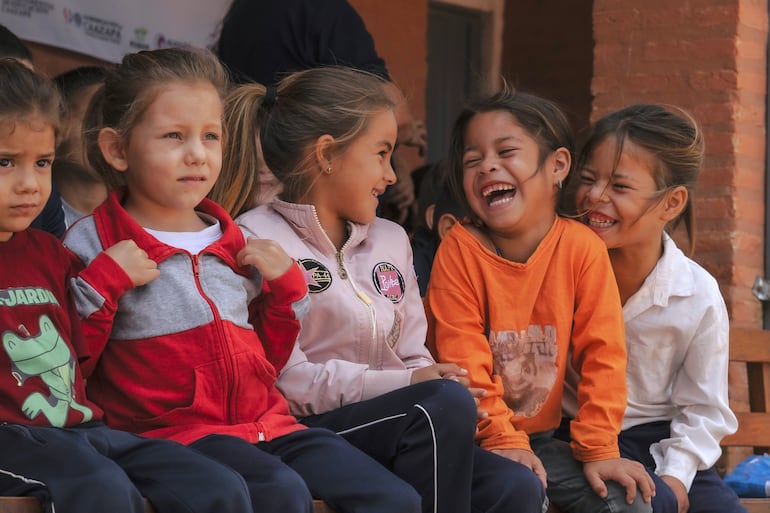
386	143
497	141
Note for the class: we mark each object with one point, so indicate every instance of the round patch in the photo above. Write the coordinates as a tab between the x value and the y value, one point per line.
317	276
388	281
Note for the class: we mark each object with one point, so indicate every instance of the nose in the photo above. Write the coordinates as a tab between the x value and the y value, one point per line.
196	153
390	174
597	192
488	165
27	181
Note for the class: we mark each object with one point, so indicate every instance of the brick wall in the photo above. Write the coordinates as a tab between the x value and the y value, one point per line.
707	56
551	55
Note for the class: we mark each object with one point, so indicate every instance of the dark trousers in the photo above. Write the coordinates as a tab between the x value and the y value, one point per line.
708	493
284	474
424	433
94	468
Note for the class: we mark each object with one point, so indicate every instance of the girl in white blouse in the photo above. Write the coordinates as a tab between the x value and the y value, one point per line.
635	179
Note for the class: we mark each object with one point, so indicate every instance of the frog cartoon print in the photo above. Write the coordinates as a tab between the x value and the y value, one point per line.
47	356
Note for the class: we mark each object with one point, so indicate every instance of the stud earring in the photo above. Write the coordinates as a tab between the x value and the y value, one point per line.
328	170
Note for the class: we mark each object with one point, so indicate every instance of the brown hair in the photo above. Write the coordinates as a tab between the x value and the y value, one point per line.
307	104
674	141
130	88
541	118
25	95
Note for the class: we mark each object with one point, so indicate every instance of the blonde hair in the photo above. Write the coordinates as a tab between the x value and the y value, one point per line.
131	87
288	119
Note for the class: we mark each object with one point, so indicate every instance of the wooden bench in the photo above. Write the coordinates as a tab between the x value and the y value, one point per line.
750	370
32	505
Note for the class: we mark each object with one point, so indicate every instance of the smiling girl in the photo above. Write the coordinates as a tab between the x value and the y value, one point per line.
518	289
360	366
637	173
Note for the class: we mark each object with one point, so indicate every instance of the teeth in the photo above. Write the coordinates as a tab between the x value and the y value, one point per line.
601	223
497	187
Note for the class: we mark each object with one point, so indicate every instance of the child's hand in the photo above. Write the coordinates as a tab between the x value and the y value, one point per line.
682	499
626	472
267	256
528	459
134	261
439	371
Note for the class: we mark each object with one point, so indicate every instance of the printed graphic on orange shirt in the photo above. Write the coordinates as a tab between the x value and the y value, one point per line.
526	363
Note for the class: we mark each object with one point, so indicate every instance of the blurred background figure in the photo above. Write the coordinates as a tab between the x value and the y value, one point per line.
81	188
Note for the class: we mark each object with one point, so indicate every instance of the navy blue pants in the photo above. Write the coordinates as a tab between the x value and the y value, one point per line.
708	493
284	474
424	433
95	468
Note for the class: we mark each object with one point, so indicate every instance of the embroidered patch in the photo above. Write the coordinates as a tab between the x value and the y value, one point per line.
317	276
388	281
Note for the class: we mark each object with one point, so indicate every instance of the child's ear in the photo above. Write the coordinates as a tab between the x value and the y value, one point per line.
562	160
111	146
429	215
445	223
322	151
674	202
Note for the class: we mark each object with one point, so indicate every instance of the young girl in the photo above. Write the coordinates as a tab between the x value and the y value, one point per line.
637	173
193	354
360	366
515	290
54	443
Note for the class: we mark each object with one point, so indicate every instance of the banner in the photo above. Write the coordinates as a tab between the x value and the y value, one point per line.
110	29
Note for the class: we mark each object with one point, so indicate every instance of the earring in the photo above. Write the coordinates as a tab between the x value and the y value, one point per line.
559	184
328	170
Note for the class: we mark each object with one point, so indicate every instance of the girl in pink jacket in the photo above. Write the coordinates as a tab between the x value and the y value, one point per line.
360	366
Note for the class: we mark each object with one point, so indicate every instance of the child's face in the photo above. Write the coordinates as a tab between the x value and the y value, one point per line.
173	155
503	183
26	153
360	174
621	207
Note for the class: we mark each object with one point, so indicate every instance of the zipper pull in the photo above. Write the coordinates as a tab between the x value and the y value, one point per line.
195	265
343	273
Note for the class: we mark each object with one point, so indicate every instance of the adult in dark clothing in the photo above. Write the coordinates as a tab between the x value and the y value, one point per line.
51	219
263	40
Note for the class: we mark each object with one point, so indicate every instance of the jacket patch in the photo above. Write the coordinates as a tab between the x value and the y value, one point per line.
317	275
388	281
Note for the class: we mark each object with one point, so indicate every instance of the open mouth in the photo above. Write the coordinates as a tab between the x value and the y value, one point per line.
498	193
599	221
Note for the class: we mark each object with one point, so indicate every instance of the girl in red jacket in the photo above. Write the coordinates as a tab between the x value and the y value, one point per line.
193	354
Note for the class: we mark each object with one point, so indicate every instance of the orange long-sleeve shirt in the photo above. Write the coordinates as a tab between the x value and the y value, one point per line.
511	325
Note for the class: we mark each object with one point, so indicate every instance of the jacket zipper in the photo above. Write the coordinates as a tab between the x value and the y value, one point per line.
221	336
343	273
364	299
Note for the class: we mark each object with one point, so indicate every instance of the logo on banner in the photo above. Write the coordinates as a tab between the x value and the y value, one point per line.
161	41
140	36
388	281
97	28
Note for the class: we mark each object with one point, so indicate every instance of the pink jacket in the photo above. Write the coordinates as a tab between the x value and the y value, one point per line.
365	329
